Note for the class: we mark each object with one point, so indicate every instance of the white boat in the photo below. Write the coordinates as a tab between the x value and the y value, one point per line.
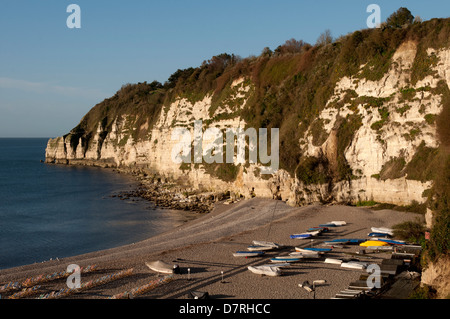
266	244
338	223
313	249
300	254
383	230
248	253
354	265
288	259
265	270
258	248
333	261
160	267
280	265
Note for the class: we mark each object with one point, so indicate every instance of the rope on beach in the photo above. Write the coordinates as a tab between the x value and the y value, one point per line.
143	289
33	281
87	285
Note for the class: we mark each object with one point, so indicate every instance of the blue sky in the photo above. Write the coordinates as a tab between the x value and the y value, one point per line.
50	75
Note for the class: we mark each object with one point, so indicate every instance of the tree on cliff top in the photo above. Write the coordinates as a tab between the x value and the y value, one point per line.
400	18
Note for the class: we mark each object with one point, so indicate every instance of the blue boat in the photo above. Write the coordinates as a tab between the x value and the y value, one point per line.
287	259
379	235
301	236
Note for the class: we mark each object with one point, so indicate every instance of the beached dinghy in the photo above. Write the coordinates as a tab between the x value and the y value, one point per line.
265	270
160	267
305	235
301	236
333	261
266	244
280	265
305	255
354	265
313	249
341	241
374	243
378	235
338	222
248	253
287	259
258	248
384	230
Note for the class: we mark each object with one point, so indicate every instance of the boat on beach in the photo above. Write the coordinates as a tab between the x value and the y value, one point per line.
271	271
338	222
333	261
300	254
248	253
371	243
354	265
313	249
280	265
266	244
161	267
383	230
287	259
340	241
259	248
305	235
373	234
301	236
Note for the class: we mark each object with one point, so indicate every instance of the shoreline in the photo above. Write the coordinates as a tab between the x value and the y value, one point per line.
205	246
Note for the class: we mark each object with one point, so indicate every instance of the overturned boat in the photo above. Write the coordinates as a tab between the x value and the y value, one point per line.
162	267
271	271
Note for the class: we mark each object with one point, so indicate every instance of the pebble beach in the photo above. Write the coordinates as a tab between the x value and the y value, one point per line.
203	249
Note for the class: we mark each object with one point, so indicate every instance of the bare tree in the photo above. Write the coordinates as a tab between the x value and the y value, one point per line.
325	38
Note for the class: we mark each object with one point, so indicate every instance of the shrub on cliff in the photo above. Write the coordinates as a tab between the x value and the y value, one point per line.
400	18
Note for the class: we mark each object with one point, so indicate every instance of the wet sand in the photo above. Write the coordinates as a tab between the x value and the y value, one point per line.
206	245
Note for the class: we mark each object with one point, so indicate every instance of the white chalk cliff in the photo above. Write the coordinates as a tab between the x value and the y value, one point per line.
372	147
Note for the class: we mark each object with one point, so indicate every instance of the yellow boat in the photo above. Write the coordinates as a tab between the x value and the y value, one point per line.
374	243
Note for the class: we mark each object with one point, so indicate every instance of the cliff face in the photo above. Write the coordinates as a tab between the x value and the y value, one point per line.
375	129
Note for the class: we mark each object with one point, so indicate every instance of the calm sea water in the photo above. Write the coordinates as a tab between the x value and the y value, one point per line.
49	211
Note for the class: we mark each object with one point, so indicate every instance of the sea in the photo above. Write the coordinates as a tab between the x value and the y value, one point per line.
50	211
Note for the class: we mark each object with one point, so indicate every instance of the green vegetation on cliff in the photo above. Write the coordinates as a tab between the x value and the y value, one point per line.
290	86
